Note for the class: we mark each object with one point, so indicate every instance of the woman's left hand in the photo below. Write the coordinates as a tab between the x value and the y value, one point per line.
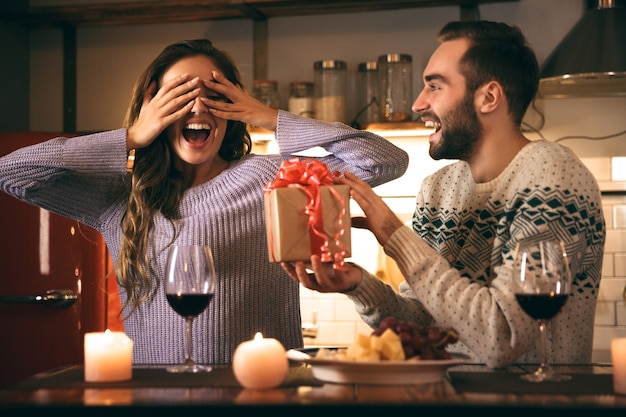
240	105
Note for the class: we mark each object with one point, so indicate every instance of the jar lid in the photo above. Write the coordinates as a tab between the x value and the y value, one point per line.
329	64
395	58
302	88
265	83
368	66
301	83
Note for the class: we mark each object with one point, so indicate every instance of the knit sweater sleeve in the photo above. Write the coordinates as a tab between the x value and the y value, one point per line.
367	155
433	285
74	177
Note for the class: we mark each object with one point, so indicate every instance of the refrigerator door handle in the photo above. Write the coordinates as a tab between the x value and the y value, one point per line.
52	298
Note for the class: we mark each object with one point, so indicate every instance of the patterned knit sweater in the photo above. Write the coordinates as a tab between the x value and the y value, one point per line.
457	260
81	178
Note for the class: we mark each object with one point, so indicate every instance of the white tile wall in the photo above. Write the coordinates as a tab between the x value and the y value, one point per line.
610	320
338	323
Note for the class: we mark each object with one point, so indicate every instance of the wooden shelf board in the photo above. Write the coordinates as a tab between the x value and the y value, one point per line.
169	11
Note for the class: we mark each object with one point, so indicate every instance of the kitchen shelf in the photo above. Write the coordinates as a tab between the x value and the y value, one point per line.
70	18
169	11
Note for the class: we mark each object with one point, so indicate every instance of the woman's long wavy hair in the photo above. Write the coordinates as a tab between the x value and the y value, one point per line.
155	184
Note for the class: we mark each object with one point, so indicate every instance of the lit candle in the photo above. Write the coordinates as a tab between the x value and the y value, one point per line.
108	356
260	363
618	354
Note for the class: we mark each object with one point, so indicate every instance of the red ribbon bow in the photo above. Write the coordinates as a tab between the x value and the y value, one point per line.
308	175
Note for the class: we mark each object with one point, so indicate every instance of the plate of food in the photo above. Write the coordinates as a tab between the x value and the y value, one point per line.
384	372
396	353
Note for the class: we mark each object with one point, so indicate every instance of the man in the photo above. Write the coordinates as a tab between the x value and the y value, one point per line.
469	216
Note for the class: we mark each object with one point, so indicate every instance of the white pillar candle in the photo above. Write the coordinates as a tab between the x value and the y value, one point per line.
108	356
260	363
618	355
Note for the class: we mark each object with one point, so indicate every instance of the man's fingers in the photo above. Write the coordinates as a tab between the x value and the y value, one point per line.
360	223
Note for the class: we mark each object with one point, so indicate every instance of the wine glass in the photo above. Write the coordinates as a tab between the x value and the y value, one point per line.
544	282
189	287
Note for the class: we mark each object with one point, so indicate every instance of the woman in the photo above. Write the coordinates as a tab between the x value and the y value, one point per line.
186	128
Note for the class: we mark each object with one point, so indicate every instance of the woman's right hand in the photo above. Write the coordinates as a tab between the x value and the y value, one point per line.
162	108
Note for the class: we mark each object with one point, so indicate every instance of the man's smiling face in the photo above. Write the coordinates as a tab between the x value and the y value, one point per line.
445	104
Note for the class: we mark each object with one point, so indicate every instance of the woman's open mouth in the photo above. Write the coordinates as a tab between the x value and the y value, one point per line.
196	132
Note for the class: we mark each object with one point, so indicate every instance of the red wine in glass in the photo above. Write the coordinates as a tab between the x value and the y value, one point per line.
189	305
541	306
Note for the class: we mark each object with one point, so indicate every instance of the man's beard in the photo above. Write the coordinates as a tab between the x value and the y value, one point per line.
461	135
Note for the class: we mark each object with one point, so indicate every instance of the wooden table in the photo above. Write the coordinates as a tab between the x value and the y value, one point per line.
468	389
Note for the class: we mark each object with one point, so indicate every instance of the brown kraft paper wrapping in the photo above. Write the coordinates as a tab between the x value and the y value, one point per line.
287	223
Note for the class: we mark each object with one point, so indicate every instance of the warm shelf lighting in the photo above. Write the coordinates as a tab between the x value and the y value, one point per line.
259	135
387	130
399	130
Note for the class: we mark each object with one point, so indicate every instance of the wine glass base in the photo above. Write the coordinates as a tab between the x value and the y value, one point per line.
538	376
188	368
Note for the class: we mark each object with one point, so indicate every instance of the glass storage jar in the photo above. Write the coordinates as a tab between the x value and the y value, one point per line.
266	91
330	90
395	74
301	99
367	97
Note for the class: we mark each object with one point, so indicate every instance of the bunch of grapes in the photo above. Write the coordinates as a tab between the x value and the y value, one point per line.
427	342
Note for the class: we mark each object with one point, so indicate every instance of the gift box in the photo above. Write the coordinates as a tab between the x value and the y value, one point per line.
289	231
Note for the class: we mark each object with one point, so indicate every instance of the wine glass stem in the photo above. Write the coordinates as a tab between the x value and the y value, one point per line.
543	366
189	356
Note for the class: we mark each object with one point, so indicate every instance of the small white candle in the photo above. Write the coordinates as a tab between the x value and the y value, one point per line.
618	355
108	356
260	363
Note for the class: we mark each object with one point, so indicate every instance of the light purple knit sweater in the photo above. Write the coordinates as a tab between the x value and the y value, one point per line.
80	178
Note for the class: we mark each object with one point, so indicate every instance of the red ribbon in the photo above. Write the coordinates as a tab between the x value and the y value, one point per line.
308	175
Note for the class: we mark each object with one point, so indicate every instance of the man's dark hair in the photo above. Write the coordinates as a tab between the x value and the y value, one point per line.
498	52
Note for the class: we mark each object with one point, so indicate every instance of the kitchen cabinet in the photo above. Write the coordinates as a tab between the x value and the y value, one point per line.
69	18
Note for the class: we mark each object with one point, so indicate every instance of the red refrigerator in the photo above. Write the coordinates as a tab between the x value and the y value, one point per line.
55	275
